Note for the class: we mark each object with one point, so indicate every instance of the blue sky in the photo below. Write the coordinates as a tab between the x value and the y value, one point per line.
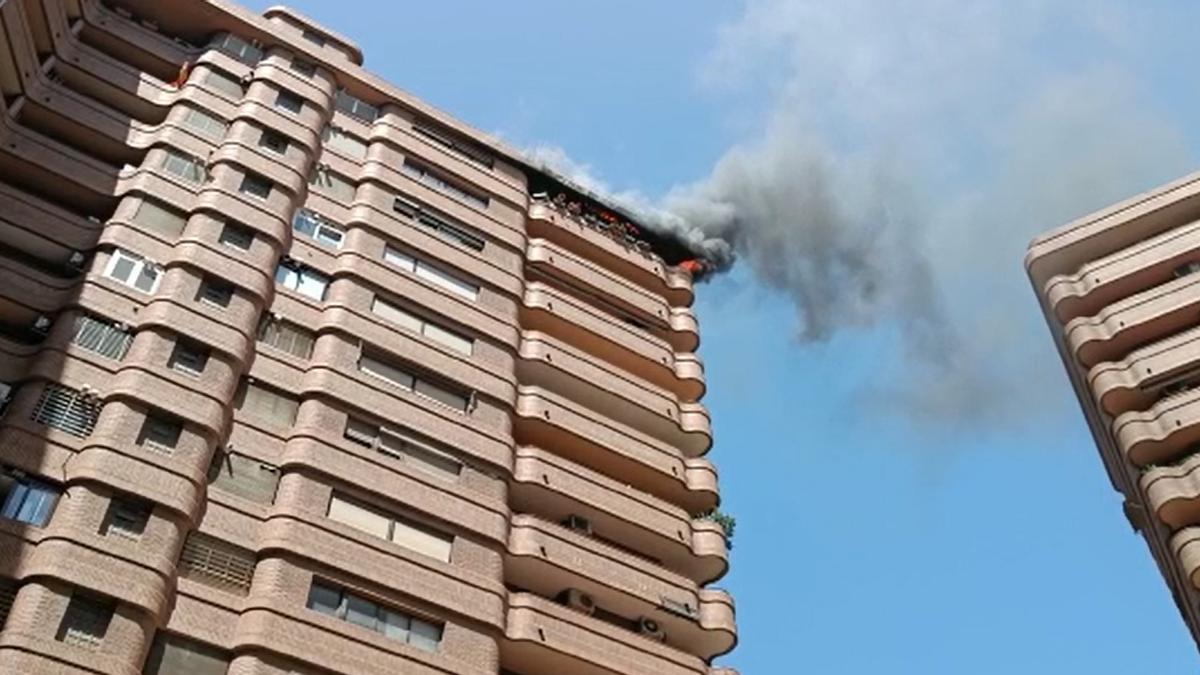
893	516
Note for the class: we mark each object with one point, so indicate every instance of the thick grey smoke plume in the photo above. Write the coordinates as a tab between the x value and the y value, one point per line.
906	154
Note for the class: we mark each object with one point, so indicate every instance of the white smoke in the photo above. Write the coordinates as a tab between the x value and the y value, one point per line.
907	154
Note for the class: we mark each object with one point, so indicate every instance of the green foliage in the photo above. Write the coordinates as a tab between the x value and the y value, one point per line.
726	521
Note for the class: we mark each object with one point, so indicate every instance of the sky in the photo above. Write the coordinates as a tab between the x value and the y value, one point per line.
914	486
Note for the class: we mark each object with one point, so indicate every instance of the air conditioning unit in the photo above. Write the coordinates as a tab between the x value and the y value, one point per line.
41	325
76	261
579	601
579	524
650	628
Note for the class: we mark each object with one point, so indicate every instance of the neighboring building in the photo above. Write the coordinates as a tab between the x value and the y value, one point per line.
302	376
1121	293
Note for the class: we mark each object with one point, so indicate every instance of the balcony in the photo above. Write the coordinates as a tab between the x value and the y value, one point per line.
550	421
1103	281
1186	546
556	489
550	310
1136	320
546	559
645	269
1173	492
677	325
1163	432
545	637
614	393
1140	379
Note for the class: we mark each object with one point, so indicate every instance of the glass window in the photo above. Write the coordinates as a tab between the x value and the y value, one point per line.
313	37
472	152
303	68
430	273
188	168
273	141
267	404
337	139
324	599
406	446
286	336
289	101
244	476
175	655
238	48
160	219
256	185
355	107
318	229
85	623
224	83
393	623
206	124
423	174
237	236
126	518
333	185
303	280
401	377
358	517
133	270
160	433
26	500
216	292
188	358
411	322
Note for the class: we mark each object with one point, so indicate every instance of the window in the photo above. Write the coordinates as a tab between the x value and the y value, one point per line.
406	446
346	606
406	533
224	83
188	358
133	270
355	107
215	292
159	219
106	338
67	409
440	226
337	139
237	236
307	282
303	68
160	433
188	168
126	518
313	37
256	185
452	142
317	228
26	500
273	141
267	404
423	174
244	476
333	185
405	319
204	123
85	623
404	379
175	655
238	48
431	274
289	101
286	336
217	563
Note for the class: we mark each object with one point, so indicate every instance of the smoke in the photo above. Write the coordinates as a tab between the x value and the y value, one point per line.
906	153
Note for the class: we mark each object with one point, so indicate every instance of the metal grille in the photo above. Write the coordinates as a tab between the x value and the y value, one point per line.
85	622
66	409
103	337
8	594
216	563
287	337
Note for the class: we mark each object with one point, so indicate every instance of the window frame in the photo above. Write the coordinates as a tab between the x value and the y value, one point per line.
139	266
316	227
302	273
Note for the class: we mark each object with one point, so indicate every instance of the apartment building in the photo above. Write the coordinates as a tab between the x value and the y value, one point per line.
300	375
1120	291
